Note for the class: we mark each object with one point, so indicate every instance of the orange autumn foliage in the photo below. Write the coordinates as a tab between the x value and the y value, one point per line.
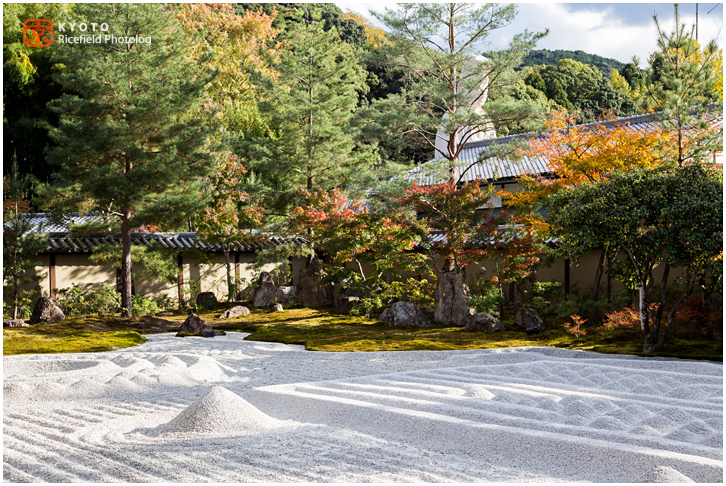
579	154
238	41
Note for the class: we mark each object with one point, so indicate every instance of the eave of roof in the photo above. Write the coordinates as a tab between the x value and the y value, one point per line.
70	244
503	170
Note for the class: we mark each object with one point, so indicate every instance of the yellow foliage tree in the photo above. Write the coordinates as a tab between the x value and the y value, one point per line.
238	43
580	154
376	37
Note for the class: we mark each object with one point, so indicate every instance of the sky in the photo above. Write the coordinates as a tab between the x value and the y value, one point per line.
614	30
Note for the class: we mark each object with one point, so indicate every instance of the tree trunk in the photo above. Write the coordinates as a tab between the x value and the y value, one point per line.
449	265
663	300
609	280
126	301
649	344
230	290
598	276
16	296
671	313
16	258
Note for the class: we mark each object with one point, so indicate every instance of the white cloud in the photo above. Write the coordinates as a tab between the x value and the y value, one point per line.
613	30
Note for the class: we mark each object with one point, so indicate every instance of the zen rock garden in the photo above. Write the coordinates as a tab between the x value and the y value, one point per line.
451	306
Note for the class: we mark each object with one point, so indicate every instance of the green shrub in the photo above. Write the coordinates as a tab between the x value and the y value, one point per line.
141	306
26	302
76	301
487	302
163	301
583	305
192	289
544	294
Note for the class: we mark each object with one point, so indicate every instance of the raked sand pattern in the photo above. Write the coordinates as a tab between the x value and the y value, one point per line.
228	410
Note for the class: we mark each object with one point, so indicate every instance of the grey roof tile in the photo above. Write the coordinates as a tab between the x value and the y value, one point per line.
498	168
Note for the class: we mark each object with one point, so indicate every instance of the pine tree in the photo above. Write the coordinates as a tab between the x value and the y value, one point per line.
128	145
682	86
311	143
438	46
21	240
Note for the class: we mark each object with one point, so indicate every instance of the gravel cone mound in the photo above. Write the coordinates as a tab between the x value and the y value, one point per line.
664	474
218	412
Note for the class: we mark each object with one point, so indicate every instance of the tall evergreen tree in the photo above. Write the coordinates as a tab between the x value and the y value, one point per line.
682	86
21	240
309	106
438	45
128	146
28	87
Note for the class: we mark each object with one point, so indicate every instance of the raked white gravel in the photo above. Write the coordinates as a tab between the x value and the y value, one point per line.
227	410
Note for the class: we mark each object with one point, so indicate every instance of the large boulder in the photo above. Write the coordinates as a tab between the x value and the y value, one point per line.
15	323
47	310
451	302
235	311
483	322
285	294
266	292
194	324
206	299
528	319
310	292
404	314
345	299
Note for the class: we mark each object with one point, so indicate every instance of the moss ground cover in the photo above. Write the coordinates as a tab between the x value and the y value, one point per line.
70	336
323	330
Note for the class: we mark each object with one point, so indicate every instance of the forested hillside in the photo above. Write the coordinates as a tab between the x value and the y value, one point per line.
551	58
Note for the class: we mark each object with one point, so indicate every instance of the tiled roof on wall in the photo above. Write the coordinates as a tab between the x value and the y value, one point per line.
61	240
438	239
66	243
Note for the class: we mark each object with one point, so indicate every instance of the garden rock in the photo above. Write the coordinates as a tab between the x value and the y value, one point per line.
285	295
15	323
47	310
206	299
483	322
404	314
344	305
310	292
236	311
266	292
528	319
211	333
451	302
165	314
276	308
345	299
194	324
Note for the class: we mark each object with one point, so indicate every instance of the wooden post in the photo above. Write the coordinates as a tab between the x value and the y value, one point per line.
567	276
51	275
180	263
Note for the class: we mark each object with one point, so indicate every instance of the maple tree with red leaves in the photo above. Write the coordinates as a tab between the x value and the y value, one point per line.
453	212
473	235
378	244
514	247
229	213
